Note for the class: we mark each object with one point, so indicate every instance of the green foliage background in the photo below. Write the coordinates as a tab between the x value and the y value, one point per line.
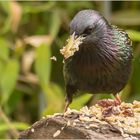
31	84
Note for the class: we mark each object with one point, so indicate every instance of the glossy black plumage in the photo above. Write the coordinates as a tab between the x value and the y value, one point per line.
103	62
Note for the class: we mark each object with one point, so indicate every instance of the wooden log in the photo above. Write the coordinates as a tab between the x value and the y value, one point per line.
61	127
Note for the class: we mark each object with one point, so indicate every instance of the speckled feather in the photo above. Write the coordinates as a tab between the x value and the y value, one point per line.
102	64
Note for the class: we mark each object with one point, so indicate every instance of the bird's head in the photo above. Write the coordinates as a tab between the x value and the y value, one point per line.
89	24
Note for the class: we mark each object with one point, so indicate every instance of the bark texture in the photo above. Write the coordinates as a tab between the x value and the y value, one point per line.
60	127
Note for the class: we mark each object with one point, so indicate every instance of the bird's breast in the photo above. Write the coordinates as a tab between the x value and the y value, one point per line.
88	62
94	71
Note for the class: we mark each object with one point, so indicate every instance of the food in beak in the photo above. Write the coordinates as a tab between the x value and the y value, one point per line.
72	46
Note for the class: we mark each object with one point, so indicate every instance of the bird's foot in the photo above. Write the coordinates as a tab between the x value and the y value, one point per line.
106	103
110	102
117	99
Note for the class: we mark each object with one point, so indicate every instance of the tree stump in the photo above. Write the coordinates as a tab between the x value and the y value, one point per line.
83	125
56	128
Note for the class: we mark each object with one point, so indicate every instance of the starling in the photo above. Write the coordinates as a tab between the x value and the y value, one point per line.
103	62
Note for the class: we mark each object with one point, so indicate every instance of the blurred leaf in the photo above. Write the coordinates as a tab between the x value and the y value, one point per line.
75	6
43	64
2	66
15	15
17	125
136	77
55	24
9	78
54	98
96	97
134	35
7	23
125	93
13	101
4	53
6	6
126	17
80	101
37	40
27	61
29	78
38	8
19	48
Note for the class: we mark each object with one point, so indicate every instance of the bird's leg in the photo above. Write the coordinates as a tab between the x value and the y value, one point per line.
68	100
70	90
117	99
67	103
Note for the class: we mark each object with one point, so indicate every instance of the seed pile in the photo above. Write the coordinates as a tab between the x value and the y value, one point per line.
124	118
72	46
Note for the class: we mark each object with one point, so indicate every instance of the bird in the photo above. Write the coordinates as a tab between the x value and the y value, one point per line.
103	63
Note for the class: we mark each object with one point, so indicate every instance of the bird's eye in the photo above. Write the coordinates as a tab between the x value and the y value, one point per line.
88	31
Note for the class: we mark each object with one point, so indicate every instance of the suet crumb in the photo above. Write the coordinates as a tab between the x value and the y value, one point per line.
72	46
